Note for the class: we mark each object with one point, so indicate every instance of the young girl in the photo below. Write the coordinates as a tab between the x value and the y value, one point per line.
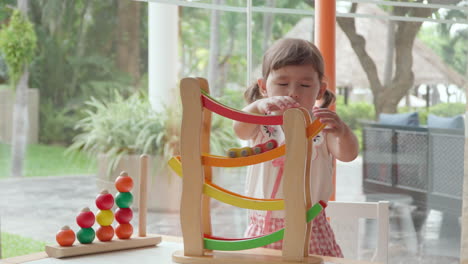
293	73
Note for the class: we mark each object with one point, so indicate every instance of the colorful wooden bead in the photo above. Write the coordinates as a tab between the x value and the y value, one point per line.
257	149
86	235
123	215
65	237
124	183
271	144
239	152
105	233
248	151
105	217
124	199
105	200
124	231
85	218
232	153
245	152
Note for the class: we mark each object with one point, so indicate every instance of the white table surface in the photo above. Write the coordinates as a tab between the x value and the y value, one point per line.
161	254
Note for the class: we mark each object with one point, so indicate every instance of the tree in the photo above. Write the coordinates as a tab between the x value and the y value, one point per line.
387	95
128	40
454	48
213	64
267	25
18	43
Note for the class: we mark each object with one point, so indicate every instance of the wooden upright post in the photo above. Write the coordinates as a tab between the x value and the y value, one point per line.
295	227
205	147
325	39
142	207
307	181
192	182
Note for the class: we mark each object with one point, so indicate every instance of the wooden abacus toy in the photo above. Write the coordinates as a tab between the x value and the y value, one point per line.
200	245
105	217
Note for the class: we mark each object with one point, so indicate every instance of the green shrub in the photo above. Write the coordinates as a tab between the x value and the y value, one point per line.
129	126
442	109
353	113
57	126
233	98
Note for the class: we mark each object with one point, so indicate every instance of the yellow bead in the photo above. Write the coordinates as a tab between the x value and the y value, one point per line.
245	152
105	217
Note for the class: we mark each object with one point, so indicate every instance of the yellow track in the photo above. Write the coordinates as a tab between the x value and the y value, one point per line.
216	192
225	196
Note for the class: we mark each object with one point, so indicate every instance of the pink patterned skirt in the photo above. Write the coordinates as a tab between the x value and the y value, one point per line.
322	240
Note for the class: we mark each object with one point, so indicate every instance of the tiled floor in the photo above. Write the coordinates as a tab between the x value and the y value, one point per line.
38	207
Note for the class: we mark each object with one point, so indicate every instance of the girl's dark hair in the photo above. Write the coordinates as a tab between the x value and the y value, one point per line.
328	98
285	52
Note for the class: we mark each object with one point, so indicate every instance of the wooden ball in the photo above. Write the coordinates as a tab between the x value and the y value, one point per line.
105	233
123	215
65	237
105	200
232	153
124	183
86	235
124	231
85	218
124	199
257	149
245	152
271	144
105	217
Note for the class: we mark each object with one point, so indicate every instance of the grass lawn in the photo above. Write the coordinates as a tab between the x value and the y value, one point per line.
45	160
14	245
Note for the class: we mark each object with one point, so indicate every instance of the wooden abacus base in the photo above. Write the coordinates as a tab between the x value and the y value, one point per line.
97	246
244	257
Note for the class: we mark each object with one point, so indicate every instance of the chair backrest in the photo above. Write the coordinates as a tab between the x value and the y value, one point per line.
344	219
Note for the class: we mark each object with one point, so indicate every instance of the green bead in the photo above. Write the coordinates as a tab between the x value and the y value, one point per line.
86	235
124	199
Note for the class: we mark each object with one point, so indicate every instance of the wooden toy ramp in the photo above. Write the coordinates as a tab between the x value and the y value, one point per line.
194	166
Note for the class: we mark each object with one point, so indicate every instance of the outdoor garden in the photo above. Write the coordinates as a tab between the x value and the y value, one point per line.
88	62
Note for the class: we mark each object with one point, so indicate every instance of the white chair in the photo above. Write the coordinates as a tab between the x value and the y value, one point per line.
344	219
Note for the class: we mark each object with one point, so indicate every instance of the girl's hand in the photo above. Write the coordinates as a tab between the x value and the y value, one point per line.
334	124
276	103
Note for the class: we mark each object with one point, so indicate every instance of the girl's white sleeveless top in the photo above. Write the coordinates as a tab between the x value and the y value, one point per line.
261	177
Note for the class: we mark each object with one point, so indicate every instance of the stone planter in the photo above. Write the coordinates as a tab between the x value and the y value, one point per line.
164	186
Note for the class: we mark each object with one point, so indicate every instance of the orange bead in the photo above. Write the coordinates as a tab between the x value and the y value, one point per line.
124	231
124	183
65	237
105	233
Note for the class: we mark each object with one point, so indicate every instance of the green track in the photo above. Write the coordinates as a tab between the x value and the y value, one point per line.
231	245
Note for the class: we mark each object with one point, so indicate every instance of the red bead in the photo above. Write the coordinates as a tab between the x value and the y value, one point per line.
123	215
86	218
105	200
270	144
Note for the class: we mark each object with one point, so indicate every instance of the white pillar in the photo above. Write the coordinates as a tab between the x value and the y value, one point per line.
163	64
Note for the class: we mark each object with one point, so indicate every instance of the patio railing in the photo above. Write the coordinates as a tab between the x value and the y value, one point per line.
425	163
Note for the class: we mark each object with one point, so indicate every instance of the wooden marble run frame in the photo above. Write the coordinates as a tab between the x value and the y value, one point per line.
136	241
195	163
